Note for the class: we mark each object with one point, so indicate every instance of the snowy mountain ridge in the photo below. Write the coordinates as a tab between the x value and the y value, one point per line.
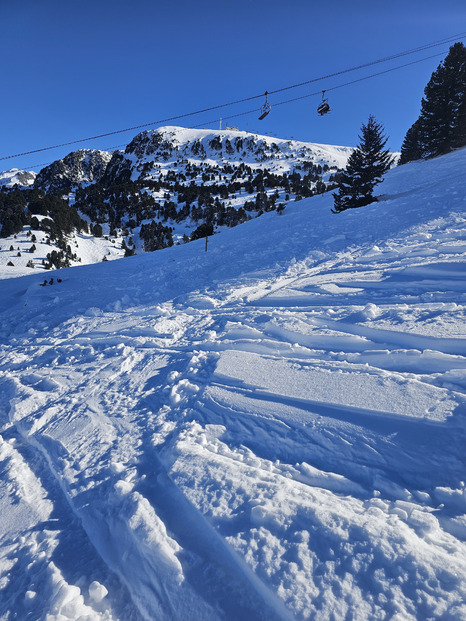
76	169
15	176
175	143
272	429
165	185
165	147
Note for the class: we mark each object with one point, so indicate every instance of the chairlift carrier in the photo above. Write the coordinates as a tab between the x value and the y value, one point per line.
265	108
323	106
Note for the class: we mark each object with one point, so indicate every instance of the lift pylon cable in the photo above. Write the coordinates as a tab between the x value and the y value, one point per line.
286	101
332	88
246	99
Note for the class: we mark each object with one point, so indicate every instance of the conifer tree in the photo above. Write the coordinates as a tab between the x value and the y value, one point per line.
412	148
441	125
365	169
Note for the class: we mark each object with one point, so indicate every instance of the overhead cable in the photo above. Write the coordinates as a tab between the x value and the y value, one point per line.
332	88
246	99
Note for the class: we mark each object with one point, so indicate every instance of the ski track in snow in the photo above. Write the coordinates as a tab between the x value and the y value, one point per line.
278	433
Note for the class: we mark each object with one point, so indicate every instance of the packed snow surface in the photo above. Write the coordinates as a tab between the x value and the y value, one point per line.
272	429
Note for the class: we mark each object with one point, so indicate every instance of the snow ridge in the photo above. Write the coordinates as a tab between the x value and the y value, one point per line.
178	143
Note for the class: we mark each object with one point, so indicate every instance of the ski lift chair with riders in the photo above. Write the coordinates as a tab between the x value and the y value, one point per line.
323	106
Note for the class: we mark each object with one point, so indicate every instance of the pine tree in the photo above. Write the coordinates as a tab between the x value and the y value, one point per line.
412	148
365	169
441	125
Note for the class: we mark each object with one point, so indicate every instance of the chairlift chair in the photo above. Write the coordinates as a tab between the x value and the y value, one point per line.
265	108
323	106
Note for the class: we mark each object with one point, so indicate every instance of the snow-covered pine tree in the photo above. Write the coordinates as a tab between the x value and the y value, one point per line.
365	169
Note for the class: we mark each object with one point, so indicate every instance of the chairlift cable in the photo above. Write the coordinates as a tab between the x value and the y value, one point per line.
369	64
287	101
246	99
332	88
367	77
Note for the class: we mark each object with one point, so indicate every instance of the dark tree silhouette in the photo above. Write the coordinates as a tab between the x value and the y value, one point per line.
441	125
365	169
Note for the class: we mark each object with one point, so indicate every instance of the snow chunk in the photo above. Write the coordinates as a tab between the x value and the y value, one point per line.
371	311
97	592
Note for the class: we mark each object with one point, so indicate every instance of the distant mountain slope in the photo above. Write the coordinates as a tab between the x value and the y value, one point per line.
76	169
172	144
168	147
170	185
14	176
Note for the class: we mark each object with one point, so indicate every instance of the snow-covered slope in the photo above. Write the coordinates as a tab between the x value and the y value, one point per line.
272	429
171	144
14	176
157	152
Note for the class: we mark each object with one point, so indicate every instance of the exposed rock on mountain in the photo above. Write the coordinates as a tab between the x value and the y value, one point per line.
167	144
14	176
76	169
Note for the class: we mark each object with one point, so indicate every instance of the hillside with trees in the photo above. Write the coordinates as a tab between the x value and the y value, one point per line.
169	186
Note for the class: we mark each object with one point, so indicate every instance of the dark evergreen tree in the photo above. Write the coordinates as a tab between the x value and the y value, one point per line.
97	230
444	106
441	125
365	169
204	230
412	148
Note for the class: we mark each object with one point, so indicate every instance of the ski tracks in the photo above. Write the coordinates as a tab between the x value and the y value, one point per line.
243	453
93	434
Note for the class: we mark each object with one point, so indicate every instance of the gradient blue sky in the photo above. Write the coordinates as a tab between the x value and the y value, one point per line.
77	69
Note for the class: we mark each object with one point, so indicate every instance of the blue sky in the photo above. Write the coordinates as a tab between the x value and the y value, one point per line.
72	70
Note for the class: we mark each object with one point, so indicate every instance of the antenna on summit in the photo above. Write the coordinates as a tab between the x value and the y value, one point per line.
220	123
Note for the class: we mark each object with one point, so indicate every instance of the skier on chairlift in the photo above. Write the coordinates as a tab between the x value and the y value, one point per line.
323	106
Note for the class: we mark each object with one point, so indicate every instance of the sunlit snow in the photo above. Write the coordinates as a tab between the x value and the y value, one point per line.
272	429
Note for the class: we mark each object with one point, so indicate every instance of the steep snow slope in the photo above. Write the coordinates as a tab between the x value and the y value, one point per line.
274	428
